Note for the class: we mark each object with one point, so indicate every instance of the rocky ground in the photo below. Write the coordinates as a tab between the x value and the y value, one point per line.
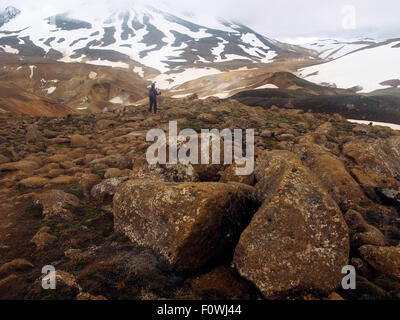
77	193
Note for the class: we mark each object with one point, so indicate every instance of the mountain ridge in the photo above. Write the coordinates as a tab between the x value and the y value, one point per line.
144	34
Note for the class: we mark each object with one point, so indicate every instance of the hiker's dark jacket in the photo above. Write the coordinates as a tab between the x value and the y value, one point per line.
153	93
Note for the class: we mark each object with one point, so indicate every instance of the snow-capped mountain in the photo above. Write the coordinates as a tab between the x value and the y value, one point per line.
99	34
334	48
365	65
8	14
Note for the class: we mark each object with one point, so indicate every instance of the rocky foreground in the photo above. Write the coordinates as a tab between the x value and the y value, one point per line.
77	193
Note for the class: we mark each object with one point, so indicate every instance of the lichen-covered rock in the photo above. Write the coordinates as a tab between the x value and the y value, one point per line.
332	175
377	163
107	188
383	259
298	240
57	203
187	223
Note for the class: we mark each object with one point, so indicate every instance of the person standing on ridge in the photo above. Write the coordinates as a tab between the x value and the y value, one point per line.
153	93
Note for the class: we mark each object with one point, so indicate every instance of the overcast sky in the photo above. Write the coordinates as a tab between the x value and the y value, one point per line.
282	19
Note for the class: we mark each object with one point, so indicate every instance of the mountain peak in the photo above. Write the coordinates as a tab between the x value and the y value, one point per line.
8	14
139	33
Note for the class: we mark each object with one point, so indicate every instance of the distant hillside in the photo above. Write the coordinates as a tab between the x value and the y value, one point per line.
375	108
18	101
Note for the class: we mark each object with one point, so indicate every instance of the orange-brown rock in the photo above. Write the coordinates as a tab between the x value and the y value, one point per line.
16	265
189	224
57	203
362	232
386	260
79	141
332	174
377	162
298	240
230	175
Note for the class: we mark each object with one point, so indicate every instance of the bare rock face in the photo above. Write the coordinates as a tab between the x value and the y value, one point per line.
383	259
188	224
298	240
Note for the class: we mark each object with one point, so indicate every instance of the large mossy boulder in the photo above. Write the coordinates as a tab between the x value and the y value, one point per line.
298	240
189	224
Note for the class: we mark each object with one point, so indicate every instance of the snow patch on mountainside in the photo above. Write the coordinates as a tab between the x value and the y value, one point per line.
366	68
169	81
100	62
335	48
268	86
9	49
383	124
139	71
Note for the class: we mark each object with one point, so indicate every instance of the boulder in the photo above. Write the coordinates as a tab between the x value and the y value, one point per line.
298	240
113	161
57	203
23	165
207	118
79	141
362	232
391	196
376	163
58	158
33	182
88	181
33	135
16	265
105	124
189	224
113	173
332	174
326	129
43	239
230	175
107	188
64	180
386	260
